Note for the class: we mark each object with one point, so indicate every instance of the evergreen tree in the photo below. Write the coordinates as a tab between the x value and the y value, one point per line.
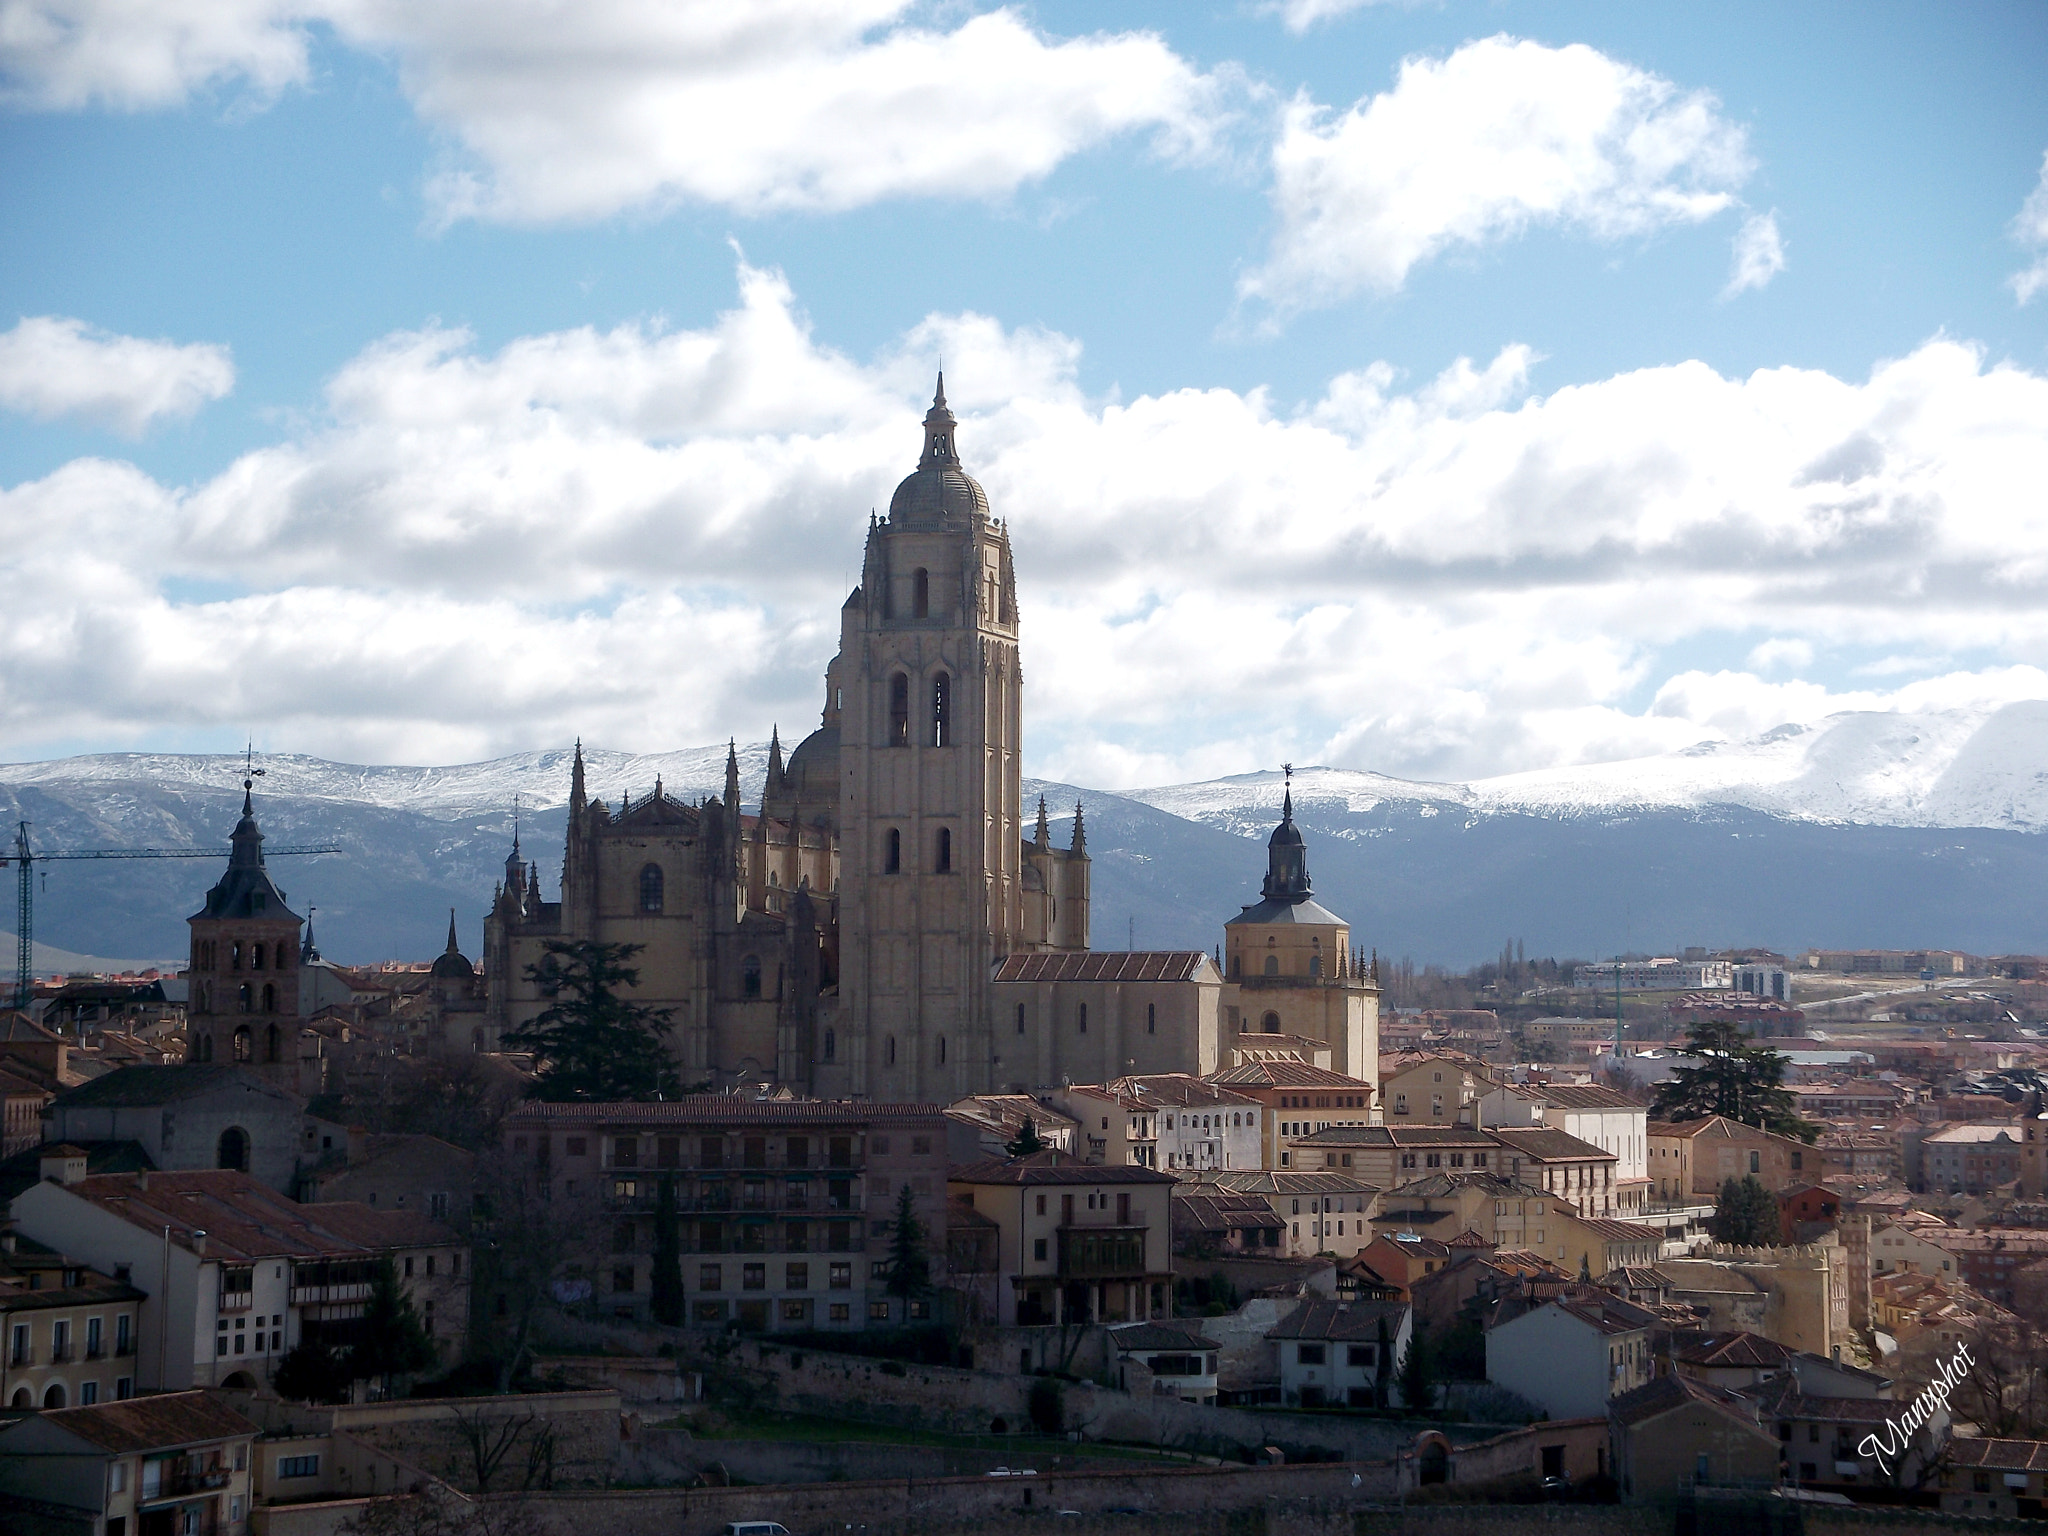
592	1043
1383	1368
391	1340
667	1283
1028	1140
909	1270
1734	1079
1417	1372
1746	1213
311	1373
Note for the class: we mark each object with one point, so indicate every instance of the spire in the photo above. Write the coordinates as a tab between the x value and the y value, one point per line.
939	449
1044	838
533	888
1080	844
774	785
453	947
732	776
578	800
309	952
1286	857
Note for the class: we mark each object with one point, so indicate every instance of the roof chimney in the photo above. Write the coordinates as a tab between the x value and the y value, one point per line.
199	1241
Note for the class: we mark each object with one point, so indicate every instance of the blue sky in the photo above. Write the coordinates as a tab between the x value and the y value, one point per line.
415	388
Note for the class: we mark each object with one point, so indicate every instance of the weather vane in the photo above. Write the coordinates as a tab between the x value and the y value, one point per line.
250	772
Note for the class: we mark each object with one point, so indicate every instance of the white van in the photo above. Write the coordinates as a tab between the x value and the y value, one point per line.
755	1528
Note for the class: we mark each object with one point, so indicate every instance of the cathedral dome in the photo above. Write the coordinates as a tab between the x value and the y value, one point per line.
813	772
933	495
938	488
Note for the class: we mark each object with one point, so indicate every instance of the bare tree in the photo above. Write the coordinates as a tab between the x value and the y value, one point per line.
524	1243
440	1511
490	1438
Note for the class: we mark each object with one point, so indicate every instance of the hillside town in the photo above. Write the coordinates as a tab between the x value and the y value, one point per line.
260	1274
804	1162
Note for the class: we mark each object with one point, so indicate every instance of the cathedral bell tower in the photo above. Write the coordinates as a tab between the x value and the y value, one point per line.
243	1002
931	803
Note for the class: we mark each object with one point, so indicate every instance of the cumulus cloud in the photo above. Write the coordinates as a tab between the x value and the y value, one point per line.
1759	254
132	54
643	534
1297	16
567	113
2030	229
1473	149
52	366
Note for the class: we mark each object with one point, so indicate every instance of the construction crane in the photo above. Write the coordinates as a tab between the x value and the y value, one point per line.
25	859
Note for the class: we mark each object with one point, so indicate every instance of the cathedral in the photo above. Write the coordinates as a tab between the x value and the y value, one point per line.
892	923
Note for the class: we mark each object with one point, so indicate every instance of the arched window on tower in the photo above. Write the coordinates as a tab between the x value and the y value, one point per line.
232	1150
1081	1019
944	861
650	888
273	1046
1270	1023
1272	965
1020	1018
255	957
899	710
269	998
1315	965
831	1050
921	594
1151	1018
994	607
942	710
235	956
942	1050
244	1000
892	1050
892	856
750	976
242	1043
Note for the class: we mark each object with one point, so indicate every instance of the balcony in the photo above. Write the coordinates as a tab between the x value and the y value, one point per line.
1102	1253
314	1295
19	1357
123	1348
237	1301
95	1351
64	1353
184	1485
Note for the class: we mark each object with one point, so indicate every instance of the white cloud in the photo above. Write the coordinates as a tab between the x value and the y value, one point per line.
1759	254
132	54
1475	148
52	366
577	112
644	535
2030	229
1297	16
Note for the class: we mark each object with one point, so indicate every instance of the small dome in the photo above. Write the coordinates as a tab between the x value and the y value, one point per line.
1286	835
453	966
932	495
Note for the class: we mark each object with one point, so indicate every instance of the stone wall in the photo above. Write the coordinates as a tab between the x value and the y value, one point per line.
673	1456
972	1402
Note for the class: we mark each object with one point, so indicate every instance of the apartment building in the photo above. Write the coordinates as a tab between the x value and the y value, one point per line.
67	1332
236	1273
1693	1158
1434	1090
1297	1099
1077	1242
178	1464
785	1205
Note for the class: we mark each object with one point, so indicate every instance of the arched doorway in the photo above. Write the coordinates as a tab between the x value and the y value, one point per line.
240	1381
1432	1458
233	1151
54	1397
23	1398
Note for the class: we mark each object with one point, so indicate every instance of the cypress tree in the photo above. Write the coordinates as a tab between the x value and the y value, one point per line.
910	1268
667	1301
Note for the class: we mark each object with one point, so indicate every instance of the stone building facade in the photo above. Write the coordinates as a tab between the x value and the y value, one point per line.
847	938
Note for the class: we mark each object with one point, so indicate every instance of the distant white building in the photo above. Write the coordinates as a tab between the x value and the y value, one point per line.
1571	1356
1772	981
1661	975
1339	1353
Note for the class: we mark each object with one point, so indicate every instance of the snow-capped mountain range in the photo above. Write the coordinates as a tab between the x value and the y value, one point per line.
1953	768
1868	829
